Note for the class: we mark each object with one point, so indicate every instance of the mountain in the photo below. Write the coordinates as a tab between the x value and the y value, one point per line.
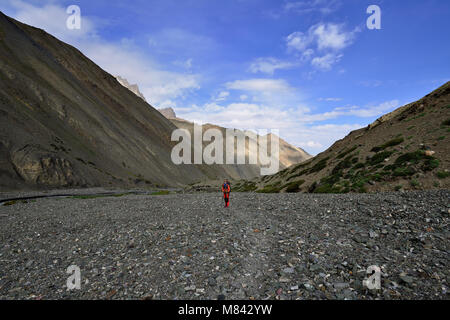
65	122
168	113
288	154
132	87
406	149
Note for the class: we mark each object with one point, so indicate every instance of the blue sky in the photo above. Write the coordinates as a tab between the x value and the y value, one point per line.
311	69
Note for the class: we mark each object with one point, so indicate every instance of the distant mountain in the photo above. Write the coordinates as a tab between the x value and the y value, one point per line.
168	113
288	154
406	149
132	87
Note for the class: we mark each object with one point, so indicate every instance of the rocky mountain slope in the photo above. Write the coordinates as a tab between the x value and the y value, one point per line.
65	122
406	149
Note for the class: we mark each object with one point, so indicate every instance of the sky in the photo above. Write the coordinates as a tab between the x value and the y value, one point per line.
311	69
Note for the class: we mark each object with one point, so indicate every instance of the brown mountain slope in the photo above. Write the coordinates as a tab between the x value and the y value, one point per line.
66	122
405	149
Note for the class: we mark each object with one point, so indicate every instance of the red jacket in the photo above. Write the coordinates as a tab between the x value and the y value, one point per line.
226	188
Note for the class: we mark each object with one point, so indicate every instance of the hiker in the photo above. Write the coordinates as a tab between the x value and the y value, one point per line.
226	189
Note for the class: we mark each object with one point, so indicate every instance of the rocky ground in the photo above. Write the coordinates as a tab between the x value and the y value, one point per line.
265	246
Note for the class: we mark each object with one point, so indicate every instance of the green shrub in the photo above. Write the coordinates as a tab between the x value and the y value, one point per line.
345	152
442	174
430	164
327	188
414	183
301	165
247	186
359	183
387	144
404	171
412	157
294	186
269	189
446	122
377	177
319	165
344	164
379	157
358	165
160	193
10	203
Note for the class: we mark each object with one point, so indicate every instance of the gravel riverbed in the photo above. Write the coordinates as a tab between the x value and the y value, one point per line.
264	246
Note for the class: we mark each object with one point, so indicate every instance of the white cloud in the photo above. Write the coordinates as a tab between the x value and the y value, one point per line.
269	65
298	41
222	95
187	64
331	36
355	111
157	84
167	104
321	44
324	36
373	111
212	107
307	7
330	99
259	85
268	92
312	144
326	62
